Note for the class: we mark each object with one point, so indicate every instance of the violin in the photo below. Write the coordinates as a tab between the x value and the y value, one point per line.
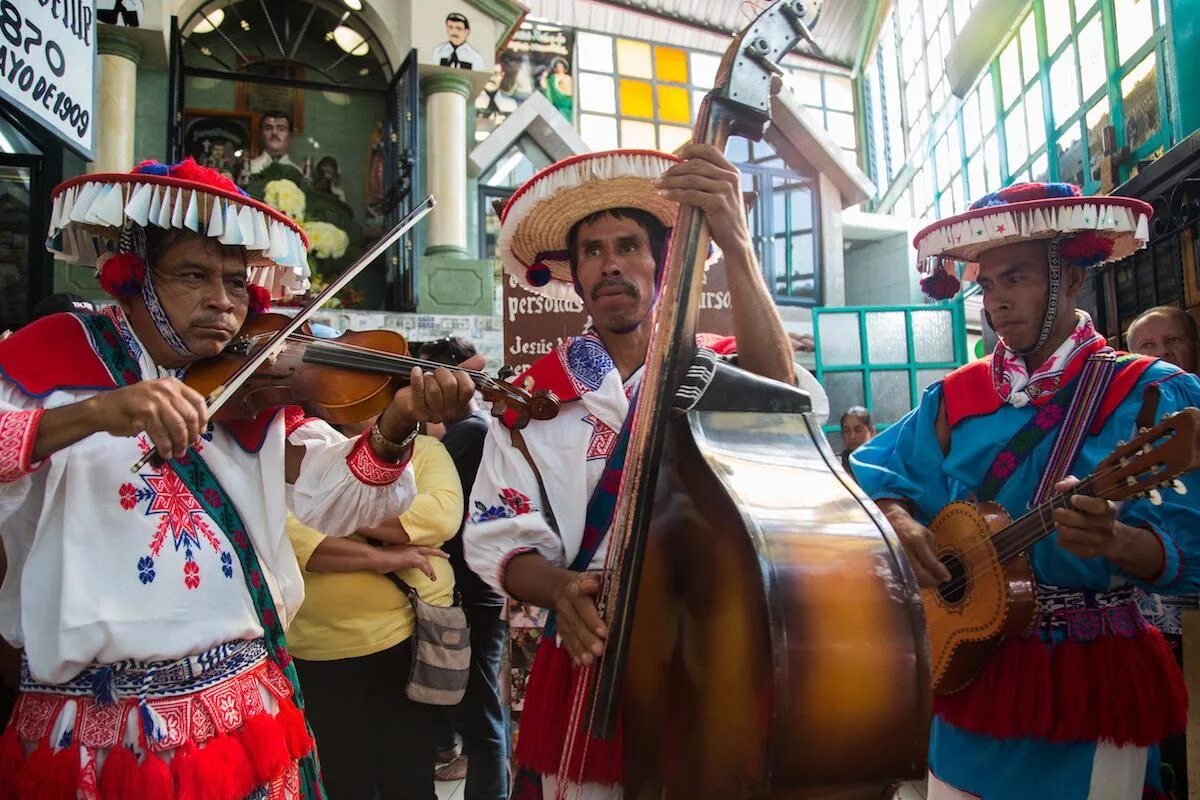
347	379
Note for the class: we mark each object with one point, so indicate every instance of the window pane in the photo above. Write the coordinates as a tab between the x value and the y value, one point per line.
637	99
976	183
597	93
1140	90
1040	171
802	209
845	389
638	135
890	395
841	127
987	104
1135	24
1015	138
737	150
972	133
1082	7
595	51
1010	73
941	159
1091	57
840	343
1029	51
670	64
1070	155
1097	121
933	336
673	104
962	12
704	69
600	133
1035	117
672	137
839	93
1058	22
991	160
697	99
807	87
633	58
1064	87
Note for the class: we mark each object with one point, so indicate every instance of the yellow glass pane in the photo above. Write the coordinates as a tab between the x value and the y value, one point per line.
673	104
637	99
637	135
671	138
633	58
1135	24
670	64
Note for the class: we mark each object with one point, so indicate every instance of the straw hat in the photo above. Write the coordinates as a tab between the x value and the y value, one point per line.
1095	230
535	221
89	212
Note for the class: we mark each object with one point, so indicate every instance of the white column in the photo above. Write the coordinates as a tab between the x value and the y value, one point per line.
116	101
446	144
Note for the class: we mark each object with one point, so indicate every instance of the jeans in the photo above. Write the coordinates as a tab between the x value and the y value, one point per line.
372	740
480	717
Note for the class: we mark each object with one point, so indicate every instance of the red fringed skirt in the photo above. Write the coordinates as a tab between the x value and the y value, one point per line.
1092	670
545	724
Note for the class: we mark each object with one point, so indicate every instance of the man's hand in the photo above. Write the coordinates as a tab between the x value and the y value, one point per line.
170	413
438	396
1088	528
579	623
918	543
396	557
709	182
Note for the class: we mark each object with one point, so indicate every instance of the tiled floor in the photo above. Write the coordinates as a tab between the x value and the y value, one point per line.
453	790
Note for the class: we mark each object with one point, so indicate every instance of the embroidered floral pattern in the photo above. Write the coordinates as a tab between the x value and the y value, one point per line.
18	429
181	516
512	504
370	468
602	440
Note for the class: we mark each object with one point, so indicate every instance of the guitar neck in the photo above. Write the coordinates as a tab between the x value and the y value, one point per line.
1028	530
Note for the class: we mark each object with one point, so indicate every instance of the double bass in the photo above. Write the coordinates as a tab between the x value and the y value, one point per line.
767	638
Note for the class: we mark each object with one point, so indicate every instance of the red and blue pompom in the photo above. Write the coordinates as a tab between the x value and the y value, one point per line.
260	299
121	275
1086	249
189	170
940	285
1025	192
537	275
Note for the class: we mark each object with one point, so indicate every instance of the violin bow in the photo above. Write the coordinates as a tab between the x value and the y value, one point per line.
276	343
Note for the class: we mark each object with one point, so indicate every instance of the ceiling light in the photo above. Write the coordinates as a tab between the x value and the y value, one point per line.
209	21
353	5
350	40
245	24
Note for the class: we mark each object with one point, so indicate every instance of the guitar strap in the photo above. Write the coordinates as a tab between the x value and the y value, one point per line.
1075	407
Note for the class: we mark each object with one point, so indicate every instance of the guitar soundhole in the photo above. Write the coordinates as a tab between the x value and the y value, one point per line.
955	589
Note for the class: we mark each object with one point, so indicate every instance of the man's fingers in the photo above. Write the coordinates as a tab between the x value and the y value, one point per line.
435	398
416	380
433	552
475	362
175	426
703	151
1095	506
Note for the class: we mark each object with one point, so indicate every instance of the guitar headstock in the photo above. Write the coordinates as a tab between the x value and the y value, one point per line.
1152	460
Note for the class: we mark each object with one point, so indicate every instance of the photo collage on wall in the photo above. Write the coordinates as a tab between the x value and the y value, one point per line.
536	59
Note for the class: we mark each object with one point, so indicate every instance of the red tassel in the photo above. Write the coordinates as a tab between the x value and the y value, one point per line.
12	756
295	730
545	724
190	780
154	779
228	762
260	299
1075	715
121	275
34	781
262	738
119	776
65	773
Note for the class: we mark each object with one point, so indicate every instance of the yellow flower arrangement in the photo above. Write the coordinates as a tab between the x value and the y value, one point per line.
285	196
326	240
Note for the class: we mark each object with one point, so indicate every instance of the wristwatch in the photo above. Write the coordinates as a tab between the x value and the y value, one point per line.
393	449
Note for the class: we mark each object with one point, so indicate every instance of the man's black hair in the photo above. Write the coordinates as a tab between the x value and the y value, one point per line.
158	240
276	113
656	232
451	350
454	16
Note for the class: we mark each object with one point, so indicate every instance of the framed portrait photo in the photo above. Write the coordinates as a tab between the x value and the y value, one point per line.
219	139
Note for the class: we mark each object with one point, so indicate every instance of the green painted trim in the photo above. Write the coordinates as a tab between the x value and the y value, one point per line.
508	13
446	251
439	82
111	40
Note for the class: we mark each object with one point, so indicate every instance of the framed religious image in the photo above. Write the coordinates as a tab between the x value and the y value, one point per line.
219	139
259	98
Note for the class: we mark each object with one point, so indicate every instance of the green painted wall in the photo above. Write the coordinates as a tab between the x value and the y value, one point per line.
150	137
1185	35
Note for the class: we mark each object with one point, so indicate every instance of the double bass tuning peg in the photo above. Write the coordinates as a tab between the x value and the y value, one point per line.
1155	497
1178	486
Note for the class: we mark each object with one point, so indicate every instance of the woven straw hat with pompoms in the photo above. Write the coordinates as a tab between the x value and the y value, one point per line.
1094	231
535	221
89	214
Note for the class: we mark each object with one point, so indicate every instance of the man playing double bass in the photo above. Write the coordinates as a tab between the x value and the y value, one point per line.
1075	707
151	606
595	226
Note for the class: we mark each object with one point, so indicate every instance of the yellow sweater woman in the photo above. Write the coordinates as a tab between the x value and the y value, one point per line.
352	639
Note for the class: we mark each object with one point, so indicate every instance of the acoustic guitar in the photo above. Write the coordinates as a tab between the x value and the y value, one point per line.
991	592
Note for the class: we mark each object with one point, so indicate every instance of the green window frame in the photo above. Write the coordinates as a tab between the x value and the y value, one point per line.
911	365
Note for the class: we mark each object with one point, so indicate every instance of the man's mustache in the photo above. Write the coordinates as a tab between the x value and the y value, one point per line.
624	284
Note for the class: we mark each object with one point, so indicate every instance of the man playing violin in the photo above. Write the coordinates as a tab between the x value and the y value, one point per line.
151	606
595	227
1076	706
